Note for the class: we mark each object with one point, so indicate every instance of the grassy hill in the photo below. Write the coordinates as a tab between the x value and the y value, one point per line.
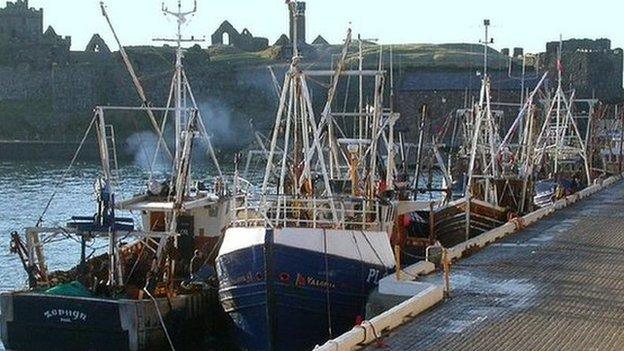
238	83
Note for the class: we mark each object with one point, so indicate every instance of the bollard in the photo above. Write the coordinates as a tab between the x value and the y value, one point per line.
397	257
446	265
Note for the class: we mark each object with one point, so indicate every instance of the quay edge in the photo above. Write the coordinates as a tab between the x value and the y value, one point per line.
431	294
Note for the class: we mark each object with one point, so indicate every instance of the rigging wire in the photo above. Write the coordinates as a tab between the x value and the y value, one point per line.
329	320
357	246
62	180
375	252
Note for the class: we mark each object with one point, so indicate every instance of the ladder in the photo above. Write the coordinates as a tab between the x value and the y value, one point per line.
109	134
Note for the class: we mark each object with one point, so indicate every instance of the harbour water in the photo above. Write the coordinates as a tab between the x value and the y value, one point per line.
26	187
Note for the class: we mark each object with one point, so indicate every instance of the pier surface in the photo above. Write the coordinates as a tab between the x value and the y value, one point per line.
557	285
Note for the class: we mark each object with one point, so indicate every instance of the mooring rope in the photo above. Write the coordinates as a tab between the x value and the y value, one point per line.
162	322
377	337
329	321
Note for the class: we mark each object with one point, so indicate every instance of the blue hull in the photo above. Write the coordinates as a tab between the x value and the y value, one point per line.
277	296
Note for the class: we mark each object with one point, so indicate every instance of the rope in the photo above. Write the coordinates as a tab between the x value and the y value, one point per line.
62	180
329	321
136	263
162	322
335	343
357	246
374	251
517	221
162	128
379	343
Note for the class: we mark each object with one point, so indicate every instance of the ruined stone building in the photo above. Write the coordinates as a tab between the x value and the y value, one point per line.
283	40
320	41
226	34
23	40
97	44
591	67
18	21
297	28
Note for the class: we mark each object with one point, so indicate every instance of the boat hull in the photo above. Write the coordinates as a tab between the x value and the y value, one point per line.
32	321
282	297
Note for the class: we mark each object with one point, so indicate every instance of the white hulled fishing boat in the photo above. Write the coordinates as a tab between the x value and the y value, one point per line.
152	288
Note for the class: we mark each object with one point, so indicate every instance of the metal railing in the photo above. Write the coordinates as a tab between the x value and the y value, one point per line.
279	211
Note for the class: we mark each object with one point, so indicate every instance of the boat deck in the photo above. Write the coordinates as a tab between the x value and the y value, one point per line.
558	285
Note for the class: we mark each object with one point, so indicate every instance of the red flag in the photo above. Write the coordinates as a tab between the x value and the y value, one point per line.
559	66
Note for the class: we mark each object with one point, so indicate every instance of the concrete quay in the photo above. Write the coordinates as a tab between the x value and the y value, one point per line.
556	285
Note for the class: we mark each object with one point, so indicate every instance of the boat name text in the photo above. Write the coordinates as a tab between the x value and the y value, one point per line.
65	316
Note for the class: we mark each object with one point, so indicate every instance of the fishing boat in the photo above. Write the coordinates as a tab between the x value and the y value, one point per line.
605	140
545	191
154	287
303	255
561	162
496	173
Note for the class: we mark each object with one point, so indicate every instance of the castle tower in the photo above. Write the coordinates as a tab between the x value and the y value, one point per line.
19	21
298	19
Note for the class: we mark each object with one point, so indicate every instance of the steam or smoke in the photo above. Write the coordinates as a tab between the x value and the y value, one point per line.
220	125
218	120
143	146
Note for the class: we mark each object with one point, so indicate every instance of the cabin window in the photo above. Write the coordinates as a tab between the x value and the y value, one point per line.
201	231
225	39
185	226
157	222
212	211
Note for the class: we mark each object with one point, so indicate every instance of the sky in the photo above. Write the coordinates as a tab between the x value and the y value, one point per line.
391	21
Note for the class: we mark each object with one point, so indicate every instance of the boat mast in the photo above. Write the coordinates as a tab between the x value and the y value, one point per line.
559	137
188	125
484	141
179	86
137	84
361	125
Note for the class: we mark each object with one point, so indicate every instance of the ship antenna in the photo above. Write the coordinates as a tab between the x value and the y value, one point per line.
179	85
559	59
486	46
292	7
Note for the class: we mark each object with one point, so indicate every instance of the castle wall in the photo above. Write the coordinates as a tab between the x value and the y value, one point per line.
590	66
18	21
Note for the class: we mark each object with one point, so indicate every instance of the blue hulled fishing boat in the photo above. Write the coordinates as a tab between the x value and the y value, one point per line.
296	267
292	288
